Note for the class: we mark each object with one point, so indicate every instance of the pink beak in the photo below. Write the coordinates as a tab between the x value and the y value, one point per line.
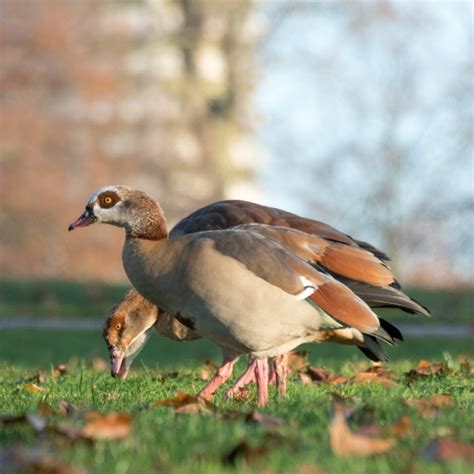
85	219
118	368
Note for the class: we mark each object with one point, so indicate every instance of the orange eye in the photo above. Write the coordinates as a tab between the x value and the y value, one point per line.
108	200
118	327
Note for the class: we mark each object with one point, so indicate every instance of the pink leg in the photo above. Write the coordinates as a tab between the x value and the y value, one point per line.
272	378
280	369
261	372
247	377
222	375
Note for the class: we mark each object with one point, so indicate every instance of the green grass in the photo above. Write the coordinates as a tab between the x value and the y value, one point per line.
93	299
162	441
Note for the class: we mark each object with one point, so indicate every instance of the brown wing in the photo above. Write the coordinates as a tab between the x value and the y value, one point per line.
270	260
227	214
349	262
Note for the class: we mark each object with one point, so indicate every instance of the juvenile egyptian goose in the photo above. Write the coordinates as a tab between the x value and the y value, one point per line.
127	328
238	287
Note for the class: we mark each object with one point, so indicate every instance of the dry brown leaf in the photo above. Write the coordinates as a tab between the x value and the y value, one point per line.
425	369
305	379
208	370
70	432
6	418
445	449
66	408
185	403
21	459
244	452
399	429
318	375
466	367
337	379
35	421
44	409
33	388
430	406
346	443
59	370
243	395
270	422
373	377
111	425
297	360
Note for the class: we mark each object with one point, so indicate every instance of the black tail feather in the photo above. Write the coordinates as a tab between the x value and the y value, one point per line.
372	349
384	297
393	331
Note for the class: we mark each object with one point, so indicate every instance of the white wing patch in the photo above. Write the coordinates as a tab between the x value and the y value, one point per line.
309	289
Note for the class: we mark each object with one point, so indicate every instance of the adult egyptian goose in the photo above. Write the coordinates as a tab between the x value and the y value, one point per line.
239	287
127	328
226	214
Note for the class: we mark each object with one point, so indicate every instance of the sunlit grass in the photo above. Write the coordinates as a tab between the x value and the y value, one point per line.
162	441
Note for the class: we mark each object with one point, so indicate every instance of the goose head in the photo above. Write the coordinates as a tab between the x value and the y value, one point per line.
126	330
122	206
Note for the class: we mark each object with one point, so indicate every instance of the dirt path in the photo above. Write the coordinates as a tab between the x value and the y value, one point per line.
89	324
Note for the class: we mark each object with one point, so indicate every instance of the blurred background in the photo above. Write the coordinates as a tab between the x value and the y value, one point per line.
356	113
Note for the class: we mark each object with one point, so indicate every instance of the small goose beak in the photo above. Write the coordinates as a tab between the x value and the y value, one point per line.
117	365
85	219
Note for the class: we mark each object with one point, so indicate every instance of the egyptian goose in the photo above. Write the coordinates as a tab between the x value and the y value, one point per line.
226	214
127	328
238	286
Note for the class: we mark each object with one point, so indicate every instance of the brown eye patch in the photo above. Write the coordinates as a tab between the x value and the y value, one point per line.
108	199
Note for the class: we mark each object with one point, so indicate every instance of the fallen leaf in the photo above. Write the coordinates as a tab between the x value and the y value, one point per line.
35	421
372	377
269	422
7	419
346	443
305	379
182	398
111	425
67	408
446	449
400	428
33	388
337	380
426	369
318	375
242	395
18	458
187	404
430	406
208	370
70	432
297	360
244	452
466	367
59	370
44	409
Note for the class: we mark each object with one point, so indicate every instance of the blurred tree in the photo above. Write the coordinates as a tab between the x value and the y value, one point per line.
154	94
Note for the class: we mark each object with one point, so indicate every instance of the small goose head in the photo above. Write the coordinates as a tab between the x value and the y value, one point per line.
127	329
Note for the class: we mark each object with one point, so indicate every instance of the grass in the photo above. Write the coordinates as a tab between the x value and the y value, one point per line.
162	441
42	298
